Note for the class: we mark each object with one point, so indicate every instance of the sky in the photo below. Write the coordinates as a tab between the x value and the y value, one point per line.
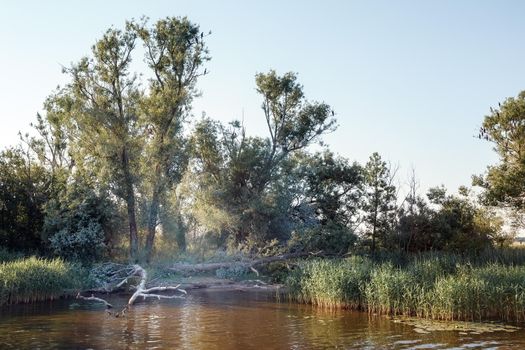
411	80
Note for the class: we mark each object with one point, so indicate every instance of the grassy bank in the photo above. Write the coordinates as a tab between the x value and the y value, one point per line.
33	279
445	287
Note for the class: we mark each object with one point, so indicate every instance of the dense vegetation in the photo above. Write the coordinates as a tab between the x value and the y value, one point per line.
118	168
437	286
34	279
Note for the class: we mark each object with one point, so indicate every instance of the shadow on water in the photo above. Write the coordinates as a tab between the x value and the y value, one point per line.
222	320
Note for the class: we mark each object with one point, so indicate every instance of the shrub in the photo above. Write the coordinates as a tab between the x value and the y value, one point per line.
84	245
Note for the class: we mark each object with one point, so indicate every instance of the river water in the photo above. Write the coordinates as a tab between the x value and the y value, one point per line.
222	320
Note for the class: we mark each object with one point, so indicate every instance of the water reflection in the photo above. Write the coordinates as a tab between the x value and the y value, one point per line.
221	320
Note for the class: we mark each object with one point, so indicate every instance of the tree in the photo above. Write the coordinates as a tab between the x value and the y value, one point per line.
379	201
104	118
226	169
244	181
175	52
459	224
24	191
414	219
327	205
504	127
293	122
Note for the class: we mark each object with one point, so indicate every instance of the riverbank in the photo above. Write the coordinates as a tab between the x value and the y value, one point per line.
432	286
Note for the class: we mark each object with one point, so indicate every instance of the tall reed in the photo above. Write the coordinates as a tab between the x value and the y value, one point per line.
34	279
437	286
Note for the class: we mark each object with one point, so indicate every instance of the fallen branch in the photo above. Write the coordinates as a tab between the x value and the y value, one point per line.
144	292
116	276
94	298
249	265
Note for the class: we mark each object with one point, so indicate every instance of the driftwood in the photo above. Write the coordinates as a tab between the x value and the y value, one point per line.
94	298
186	268
144	292
119	276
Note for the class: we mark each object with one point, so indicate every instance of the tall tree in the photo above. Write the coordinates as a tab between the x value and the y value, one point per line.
245	178
104	117
175	52
327	204
379	200
504	127
333	187
293	122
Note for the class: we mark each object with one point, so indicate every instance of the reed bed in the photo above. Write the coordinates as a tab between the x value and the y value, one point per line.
34	279
435	286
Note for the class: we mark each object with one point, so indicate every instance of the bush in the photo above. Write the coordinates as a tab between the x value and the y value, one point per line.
85	245
234	272
7	255
330	238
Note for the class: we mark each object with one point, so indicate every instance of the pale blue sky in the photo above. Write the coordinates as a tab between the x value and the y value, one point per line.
411	80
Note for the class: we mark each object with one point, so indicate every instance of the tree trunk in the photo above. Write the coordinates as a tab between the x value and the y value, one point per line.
207	267
130	204
181	235
152	222
133	236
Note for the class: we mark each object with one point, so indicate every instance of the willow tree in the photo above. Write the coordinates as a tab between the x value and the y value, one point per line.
175	52
104	118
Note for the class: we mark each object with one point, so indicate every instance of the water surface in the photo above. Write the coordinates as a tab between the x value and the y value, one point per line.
222	320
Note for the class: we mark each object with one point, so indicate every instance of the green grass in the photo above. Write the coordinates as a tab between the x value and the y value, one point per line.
34	279
436	286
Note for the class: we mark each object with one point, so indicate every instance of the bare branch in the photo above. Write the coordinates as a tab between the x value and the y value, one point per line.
94	298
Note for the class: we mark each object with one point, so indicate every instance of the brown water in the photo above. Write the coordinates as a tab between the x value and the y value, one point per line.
222	320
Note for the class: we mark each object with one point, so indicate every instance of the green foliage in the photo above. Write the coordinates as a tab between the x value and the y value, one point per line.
244	187
85	245
443	286
79	223
7	255
505	128
454	223
235	272
32	279
379	202
24	190
330	239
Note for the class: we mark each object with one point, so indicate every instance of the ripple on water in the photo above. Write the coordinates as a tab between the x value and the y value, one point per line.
225	320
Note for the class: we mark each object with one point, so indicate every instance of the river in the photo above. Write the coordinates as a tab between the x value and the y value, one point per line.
222	320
